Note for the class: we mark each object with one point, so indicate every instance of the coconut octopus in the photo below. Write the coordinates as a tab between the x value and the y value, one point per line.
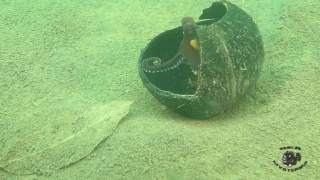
188	52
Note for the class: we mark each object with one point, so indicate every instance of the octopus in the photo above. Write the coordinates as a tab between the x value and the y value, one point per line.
188	52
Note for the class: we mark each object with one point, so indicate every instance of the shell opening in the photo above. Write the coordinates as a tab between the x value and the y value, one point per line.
177	78
214	13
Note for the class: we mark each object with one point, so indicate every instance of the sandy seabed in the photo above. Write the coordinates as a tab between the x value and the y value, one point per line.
59	59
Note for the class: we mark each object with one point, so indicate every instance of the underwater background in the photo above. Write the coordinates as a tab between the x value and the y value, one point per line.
72	105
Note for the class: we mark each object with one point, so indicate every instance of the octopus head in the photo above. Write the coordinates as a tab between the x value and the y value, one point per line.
188	27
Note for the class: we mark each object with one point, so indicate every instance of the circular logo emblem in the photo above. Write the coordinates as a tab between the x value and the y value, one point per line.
291	159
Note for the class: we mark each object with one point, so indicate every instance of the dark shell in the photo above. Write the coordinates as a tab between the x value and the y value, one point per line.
231	52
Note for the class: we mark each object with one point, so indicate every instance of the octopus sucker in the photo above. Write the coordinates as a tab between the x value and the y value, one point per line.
155	65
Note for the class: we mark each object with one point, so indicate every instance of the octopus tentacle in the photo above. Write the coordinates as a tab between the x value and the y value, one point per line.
188	52
155	64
